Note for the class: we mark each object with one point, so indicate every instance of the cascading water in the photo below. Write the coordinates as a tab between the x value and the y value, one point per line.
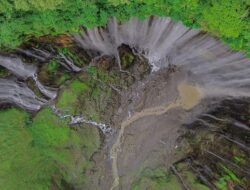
77	119
18	92
217	70
15	92
17	67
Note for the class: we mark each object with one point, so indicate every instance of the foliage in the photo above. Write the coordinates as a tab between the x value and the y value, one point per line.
48	130
32	152
225	18
87	95
22	19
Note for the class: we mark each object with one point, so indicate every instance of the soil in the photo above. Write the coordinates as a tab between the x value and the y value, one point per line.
147	123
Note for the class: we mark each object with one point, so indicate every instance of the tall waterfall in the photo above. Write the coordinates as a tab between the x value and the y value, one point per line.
214	67
19	94
16	92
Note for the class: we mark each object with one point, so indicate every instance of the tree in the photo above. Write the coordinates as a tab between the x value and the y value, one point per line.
225	18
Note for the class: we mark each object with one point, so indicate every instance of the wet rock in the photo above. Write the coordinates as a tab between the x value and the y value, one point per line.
53	74
126	56
4	72
106	63
220	145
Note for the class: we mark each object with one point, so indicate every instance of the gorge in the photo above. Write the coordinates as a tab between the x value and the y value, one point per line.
175	77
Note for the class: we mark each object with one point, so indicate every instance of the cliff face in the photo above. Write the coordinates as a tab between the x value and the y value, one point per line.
141	83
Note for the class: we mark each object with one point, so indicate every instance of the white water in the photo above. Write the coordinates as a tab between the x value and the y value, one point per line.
47	91
17	67
217	70
210	64
18	93
77	119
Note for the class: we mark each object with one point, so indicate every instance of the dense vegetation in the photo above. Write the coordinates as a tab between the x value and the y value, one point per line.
23	19
35	152
42	151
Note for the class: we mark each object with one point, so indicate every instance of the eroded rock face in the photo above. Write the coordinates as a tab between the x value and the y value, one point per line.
198	59
219	146
162	41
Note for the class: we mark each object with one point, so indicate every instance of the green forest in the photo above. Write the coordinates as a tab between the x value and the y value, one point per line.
21	20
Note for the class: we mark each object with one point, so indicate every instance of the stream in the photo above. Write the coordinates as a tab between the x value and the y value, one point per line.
189	96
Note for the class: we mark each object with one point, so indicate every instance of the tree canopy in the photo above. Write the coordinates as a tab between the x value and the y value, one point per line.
23	19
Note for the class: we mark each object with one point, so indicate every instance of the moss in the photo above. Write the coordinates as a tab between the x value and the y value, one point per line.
3	72
53	74
189	177
68	98
91	141
62	78
127	60
193	182
72	55
52	66
100	74
237	159
88	95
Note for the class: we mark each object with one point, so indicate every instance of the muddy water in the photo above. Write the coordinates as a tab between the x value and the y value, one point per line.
189	96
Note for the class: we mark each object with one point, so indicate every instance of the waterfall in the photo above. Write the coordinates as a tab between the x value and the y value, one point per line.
77	119
18	93
215	68
17	67
49	92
